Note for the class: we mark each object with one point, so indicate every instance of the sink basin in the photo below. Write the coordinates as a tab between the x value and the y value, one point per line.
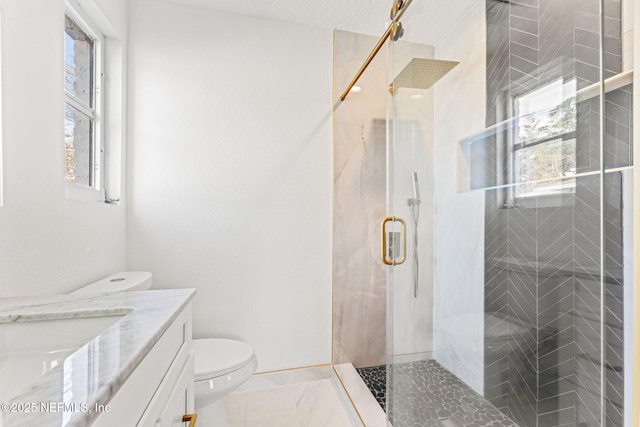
31	345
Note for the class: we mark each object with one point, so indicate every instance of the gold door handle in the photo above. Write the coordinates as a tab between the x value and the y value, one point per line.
403	241
383	241
191	418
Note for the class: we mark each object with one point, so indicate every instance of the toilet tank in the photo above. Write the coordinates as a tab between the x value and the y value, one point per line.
123	281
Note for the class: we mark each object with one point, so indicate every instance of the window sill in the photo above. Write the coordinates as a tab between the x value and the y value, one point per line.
82	193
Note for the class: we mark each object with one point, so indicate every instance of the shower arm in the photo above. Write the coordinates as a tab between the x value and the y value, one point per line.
399	8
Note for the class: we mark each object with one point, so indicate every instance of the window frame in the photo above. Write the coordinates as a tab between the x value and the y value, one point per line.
95	191
515	145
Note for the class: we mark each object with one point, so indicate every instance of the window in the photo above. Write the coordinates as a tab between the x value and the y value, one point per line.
82	126
543	150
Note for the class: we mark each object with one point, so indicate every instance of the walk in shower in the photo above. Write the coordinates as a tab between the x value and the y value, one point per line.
483	220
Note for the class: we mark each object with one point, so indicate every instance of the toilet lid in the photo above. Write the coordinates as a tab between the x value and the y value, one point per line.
217	357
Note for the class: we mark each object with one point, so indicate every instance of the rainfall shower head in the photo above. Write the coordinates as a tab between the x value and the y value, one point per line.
421	73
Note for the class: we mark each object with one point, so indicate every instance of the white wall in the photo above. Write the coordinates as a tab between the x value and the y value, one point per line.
47	244
459	217
230	173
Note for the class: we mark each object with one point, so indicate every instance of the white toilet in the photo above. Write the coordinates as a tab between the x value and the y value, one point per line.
226	365
221	365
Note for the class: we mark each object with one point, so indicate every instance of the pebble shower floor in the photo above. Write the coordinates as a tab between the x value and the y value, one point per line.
428	395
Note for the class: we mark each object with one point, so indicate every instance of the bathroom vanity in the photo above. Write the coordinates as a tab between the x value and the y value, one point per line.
120	359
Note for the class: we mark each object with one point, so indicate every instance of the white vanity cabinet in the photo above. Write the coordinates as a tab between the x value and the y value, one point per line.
177	404
160	391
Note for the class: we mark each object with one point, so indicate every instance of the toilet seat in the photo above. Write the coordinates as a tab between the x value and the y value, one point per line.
216	357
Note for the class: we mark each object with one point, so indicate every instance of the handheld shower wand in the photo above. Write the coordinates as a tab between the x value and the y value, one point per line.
416	186
414	204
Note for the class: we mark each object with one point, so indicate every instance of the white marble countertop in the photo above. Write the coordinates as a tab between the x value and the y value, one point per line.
91	375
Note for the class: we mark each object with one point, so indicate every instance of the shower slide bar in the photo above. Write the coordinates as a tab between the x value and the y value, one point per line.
395	31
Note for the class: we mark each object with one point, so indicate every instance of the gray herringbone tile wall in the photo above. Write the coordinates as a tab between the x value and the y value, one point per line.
542	258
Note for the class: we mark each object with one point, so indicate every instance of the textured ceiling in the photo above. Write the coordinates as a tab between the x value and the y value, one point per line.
426	21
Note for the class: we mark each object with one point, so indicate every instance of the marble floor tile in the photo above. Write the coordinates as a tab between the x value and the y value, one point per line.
306	404
288	419
236	408
320	406
291	376
271	401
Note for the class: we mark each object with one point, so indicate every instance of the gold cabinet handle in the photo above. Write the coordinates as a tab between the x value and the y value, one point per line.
403	241
191	418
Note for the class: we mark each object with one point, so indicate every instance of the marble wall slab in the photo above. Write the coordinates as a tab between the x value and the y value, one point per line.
459	217
359	280
360	317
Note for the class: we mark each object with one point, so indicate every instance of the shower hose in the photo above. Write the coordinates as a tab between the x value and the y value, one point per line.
415	216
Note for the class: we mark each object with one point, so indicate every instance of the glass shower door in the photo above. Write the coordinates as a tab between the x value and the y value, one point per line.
511	174
435	330
410	153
